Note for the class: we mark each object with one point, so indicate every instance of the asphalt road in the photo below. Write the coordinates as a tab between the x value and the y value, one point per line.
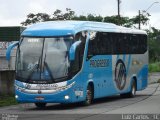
146	101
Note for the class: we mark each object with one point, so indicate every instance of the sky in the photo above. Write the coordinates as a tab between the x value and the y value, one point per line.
13	12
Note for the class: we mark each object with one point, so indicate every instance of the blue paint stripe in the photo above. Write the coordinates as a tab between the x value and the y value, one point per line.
129	62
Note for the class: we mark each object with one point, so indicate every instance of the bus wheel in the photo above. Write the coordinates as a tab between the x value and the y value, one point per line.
40	105
89	96
132	92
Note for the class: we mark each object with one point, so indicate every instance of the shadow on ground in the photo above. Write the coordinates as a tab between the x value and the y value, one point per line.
100	101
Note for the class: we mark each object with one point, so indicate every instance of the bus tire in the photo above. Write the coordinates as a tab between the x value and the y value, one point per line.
132	92
40	105
89	96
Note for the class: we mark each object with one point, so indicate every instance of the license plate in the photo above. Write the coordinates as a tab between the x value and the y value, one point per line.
39	98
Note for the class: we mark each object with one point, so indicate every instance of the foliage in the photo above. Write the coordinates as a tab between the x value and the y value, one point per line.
41	17
58	15
7	100
153	43
124	21
154	67
70	15
143	18
34	18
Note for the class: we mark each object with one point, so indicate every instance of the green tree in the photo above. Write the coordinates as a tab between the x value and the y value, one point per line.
80	17
34	18
41	17
153	43
124	21
142	18
70	15
91	17
57	15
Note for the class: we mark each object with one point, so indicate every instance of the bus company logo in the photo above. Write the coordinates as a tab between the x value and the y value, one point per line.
47	86
120	74
99	63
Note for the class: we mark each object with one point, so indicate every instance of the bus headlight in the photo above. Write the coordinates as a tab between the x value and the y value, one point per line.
16	96
66	97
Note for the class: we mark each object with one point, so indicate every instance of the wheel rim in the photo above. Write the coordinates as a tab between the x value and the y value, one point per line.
89	96
133	90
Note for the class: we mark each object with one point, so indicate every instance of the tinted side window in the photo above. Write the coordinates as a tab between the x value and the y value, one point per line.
105	43
134	44
105	46
143	43
138	44
100	44
92	47
129	43
119	43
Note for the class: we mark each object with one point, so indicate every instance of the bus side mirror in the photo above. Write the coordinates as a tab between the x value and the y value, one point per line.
72	50
9	49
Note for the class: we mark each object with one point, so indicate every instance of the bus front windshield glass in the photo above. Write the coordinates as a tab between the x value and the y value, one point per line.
42	60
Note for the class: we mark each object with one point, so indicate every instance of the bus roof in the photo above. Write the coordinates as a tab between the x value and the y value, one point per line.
63	28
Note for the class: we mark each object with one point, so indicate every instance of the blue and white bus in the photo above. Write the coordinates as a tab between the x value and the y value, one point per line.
78	61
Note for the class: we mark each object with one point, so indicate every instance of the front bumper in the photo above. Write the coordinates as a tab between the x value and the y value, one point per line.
58	97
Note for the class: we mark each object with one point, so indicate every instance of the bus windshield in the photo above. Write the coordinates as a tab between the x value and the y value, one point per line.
43	60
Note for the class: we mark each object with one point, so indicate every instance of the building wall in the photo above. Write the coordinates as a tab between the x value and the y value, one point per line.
7	72
8	35
7	82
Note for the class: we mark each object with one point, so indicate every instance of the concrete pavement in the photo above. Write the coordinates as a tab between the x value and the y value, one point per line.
146	101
